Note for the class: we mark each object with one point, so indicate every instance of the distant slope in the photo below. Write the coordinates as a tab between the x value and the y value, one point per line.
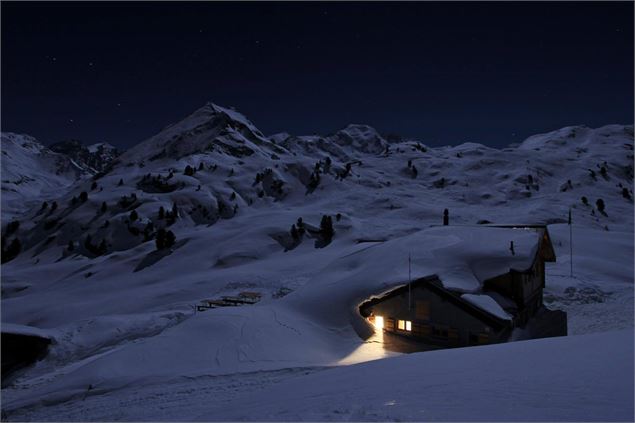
32	173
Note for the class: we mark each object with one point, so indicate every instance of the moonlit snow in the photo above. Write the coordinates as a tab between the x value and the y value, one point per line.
129	344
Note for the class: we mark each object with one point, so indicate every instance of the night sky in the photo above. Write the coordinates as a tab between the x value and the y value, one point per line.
444	73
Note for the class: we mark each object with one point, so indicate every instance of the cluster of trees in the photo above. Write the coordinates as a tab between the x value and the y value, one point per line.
98	250
156	183
261	176
169	215
83	197
314	180
126	201
599	204
297	229
418	146
346	172
45	205
165	239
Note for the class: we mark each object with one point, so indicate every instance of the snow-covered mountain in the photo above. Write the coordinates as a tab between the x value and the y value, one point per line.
33	173
93	158
230	195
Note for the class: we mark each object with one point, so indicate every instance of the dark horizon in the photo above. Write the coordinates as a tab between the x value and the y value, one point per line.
443	73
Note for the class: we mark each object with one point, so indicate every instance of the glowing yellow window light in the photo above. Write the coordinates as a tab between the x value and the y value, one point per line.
379	322
404	325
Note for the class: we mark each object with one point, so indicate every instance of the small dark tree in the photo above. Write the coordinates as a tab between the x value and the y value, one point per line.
294	233
11	251
88	243
188	171
600	205
327	164
603	171
175	211
44	205
326	227
233	196
414	171
409	163
53	206
104	207
103	247
170	239
592	173
71	245
160	241
314	180
83	196
338	217
12	227
73	200
120	182
530	179
93	186
201	166
446	217
585	201
626	194
231	172
133	215
161	212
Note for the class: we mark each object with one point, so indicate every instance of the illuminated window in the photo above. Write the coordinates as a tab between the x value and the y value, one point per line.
404	325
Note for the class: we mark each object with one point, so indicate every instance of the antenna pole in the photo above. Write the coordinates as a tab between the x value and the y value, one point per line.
570	244
409	284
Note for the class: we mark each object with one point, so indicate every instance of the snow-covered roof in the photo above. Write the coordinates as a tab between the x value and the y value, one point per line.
462	257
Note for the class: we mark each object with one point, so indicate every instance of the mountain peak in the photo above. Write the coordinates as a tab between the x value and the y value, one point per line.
361	137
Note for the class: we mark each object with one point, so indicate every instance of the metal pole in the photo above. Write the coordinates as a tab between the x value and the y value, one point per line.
570	245
409	284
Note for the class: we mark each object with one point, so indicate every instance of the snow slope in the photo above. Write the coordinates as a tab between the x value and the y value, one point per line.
129	319
31	173
578	378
